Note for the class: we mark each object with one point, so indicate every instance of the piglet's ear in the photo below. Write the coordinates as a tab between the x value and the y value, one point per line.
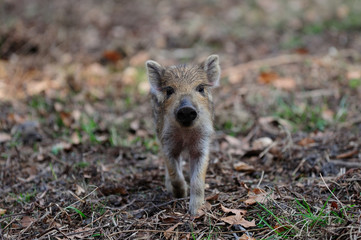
211	67
155	73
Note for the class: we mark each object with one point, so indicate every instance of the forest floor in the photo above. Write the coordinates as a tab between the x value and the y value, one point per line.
78	154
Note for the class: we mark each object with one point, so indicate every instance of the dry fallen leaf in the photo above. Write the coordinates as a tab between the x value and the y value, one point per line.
257	195
281	229
203	210
334	205
267	77
112	56
306	141
242	166
66	118
261	143
113	189
26	221
79	190
213	197
168	233
302	51
169	219
237	218
246	237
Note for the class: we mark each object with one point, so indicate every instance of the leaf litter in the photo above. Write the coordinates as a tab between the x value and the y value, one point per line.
76	128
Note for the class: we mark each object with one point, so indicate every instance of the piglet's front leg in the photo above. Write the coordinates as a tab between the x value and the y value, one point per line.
174	179
197	182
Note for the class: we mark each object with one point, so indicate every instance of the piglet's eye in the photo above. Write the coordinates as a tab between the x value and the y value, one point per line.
200	89
169	91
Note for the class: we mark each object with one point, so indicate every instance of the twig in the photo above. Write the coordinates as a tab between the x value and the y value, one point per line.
82	199
264	152
27	228
74	195
97	219
346	164
259	183
299	166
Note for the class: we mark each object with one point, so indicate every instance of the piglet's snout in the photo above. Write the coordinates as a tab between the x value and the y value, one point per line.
186	113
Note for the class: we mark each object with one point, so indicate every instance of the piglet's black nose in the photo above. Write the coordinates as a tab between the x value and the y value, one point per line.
186	115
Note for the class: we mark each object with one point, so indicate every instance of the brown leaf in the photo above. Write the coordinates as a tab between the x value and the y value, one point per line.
302	51
267	77
281	229
66	118
347	154
237	218
257	195
112	56
242	166
246	237
334	205
306	141
26	221
168	233
4	137
235	211
113	189
203	210
213	197
169	219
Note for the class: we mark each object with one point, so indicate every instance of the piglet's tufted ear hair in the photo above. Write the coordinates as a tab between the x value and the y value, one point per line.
211	67
155	73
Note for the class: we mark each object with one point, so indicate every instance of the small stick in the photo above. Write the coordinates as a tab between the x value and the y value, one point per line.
259	183
299	166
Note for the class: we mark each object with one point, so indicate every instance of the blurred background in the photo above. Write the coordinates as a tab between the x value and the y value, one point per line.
101	46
